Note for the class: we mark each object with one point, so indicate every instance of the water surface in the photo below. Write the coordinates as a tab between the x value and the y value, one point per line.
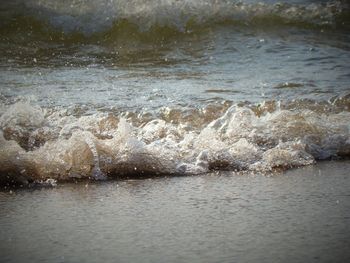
100	89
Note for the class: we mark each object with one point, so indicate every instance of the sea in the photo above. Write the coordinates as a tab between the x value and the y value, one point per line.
170	93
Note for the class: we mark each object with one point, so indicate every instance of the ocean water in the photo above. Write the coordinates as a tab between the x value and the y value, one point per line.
113	89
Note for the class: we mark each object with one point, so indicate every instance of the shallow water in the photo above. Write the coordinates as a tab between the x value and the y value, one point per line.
173	53
96	89
298	216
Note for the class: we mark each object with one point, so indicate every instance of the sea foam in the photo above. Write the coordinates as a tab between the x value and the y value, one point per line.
39	143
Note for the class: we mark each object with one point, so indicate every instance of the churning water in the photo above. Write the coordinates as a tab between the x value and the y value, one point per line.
96	89
232	91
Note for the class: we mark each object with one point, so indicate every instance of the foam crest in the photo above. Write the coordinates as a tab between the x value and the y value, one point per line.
38	144
19	121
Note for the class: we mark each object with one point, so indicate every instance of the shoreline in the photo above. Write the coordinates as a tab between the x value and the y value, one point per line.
301	215
31	183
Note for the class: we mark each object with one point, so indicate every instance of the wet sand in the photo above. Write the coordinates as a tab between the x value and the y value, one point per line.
302	215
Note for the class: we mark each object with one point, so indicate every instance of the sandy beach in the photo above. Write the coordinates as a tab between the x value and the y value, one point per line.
301	215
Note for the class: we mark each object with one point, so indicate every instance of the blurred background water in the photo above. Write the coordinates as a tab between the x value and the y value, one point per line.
134	55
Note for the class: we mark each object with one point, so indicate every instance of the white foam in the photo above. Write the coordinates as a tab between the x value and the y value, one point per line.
103	145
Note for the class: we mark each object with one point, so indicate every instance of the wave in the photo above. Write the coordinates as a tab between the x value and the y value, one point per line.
88	18
42	143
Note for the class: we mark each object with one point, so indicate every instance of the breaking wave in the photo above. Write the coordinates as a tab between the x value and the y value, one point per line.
88	18
42	143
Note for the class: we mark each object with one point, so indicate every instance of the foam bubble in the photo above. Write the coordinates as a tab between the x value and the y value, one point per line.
103	145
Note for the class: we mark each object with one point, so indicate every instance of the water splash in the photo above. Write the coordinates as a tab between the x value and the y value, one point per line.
102	145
